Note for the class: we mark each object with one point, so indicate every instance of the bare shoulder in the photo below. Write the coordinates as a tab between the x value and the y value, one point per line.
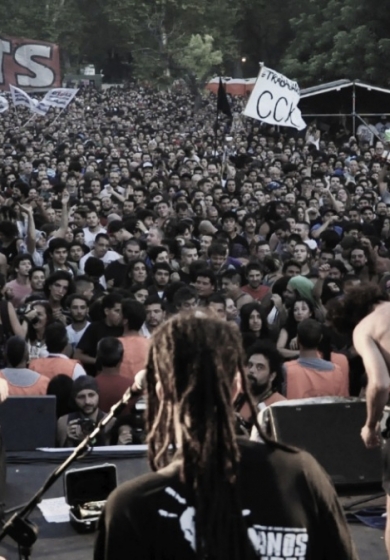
377	321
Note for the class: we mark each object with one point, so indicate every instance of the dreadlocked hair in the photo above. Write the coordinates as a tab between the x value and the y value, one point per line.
196	358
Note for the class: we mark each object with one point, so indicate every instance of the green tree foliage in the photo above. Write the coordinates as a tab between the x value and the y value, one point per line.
151	34
198	58
160	40
264	30
46	20
159	44
336	39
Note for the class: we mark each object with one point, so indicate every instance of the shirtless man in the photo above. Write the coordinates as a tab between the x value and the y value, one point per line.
365	310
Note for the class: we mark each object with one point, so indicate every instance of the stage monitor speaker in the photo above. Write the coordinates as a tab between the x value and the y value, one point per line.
331	433
28	422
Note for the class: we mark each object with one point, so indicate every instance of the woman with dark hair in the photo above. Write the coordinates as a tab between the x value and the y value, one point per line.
137	273
253	325
214	496
10	241
140	292
276	210
58	286
231	187
287	345
39	314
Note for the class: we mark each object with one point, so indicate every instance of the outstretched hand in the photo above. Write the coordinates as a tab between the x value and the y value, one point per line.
65	197
323	271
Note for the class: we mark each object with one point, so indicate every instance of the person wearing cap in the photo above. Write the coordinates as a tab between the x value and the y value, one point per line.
72	428
275	188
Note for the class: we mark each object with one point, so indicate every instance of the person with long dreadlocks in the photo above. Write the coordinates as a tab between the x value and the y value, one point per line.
215	496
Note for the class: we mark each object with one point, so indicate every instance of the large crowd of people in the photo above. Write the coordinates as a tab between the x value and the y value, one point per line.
130	207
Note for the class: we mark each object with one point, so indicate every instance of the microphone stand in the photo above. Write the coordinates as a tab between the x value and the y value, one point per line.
19	527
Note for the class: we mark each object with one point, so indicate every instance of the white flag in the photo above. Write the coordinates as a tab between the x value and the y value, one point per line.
4	105
274	100
20	97
40	107
59	97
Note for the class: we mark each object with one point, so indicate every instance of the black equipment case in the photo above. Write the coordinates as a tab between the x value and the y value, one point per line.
86	491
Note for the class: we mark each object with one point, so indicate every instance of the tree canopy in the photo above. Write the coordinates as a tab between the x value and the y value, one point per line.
161	40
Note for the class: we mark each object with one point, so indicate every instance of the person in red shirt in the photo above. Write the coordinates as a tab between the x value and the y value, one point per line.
135	345
111	384
254	275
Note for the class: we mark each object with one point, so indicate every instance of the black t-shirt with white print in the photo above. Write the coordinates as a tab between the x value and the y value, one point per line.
289	504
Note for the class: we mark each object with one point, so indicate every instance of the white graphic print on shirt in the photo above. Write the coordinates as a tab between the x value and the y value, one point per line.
271	543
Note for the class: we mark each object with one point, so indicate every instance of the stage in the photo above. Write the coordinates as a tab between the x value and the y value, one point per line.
26	472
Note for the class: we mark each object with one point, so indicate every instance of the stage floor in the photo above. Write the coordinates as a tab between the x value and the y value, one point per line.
27	472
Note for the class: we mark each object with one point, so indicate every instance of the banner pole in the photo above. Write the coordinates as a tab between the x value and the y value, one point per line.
28	120
58	116
16	115
216	134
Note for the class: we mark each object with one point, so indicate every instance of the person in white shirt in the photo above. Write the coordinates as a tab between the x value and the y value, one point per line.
78	308
100	251
93	229
302	229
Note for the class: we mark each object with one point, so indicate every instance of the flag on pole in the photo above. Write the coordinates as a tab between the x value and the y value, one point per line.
59	97
274	100
20	97
40	107
4	105
223	102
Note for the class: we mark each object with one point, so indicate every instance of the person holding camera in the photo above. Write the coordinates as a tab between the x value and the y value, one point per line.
74	427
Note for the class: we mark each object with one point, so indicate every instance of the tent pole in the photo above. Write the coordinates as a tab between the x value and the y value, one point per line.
353	109
366	124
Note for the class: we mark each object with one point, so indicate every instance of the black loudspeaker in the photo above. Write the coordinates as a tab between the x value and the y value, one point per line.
331	433
28	422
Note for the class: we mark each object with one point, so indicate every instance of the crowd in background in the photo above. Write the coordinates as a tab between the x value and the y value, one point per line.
130	208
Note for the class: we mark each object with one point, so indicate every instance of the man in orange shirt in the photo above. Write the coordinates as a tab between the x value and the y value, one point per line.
21	380
110	383
309	375
57	361
135	346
